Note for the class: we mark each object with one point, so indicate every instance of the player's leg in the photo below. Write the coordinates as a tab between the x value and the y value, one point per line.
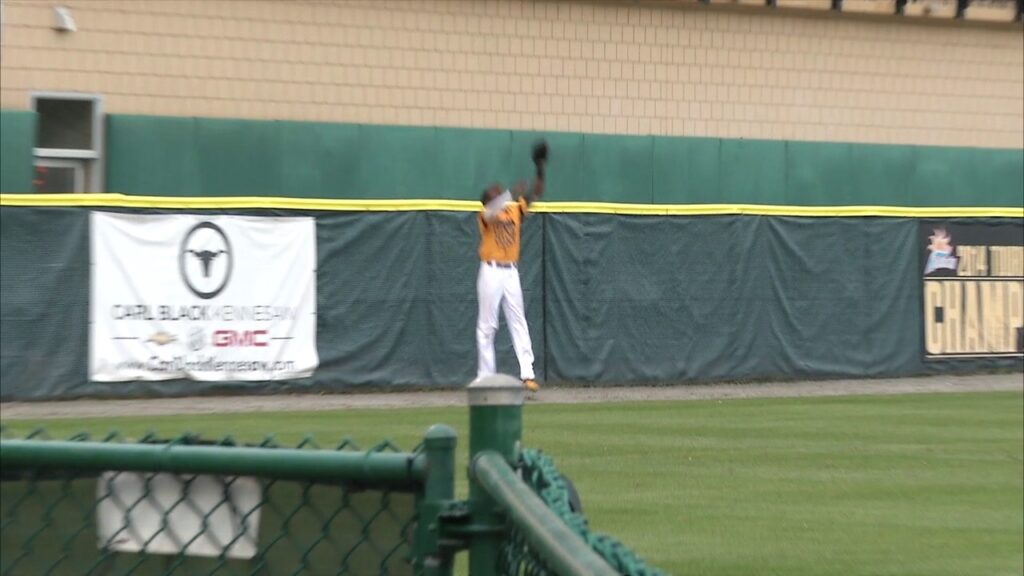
489	294
515	315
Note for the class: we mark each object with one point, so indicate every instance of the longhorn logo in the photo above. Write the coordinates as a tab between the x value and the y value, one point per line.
205	260
206	257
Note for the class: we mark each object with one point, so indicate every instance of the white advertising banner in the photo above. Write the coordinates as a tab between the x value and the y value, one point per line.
210	298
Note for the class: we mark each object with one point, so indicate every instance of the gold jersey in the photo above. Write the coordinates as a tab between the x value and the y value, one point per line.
499	238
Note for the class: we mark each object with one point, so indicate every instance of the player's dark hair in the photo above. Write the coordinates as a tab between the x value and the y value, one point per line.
483	197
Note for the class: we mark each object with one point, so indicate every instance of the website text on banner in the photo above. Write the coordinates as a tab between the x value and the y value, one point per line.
212	298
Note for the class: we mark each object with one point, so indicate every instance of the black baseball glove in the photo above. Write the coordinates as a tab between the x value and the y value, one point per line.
540	156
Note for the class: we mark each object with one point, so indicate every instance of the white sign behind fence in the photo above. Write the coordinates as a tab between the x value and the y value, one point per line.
172	514
202	297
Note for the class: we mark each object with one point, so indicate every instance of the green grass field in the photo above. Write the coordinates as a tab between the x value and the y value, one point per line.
909	485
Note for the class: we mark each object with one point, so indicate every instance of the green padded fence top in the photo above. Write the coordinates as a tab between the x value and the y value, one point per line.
17	138
207	157
518	557
176	156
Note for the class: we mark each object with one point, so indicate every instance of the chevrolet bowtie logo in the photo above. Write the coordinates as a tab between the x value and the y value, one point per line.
162	338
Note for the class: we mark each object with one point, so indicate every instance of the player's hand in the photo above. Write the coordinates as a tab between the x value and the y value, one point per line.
519	189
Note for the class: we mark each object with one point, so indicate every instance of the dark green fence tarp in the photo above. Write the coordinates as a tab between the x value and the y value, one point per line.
397	298
44	302
396	304
681	298
610	299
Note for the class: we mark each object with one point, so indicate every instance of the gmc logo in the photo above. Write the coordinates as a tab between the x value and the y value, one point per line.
240	338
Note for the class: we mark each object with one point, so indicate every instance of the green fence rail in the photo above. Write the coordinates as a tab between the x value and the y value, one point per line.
90	507
186	506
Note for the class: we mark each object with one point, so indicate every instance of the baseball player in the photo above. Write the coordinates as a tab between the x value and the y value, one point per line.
497	285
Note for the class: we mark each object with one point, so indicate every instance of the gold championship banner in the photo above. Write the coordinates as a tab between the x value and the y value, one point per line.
973	290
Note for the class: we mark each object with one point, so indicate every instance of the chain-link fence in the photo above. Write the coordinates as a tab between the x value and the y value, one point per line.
71	516
187	507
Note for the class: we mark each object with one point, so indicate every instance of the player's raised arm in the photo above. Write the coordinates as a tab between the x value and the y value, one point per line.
540	159
537	189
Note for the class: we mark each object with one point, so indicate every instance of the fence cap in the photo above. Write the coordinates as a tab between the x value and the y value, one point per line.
496	390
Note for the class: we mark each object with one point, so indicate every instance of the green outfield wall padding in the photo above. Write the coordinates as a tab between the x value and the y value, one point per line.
470	160
150	155
686	170
17	138
241	155
1006	170
880	176
609	299
155	155
396	162
753	172
315	159
615	169
816	174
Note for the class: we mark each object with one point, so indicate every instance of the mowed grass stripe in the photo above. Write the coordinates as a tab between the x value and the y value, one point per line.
916	484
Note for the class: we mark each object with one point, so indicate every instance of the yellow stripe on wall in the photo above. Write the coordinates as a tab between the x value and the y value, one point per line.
251	202
228	202
775	210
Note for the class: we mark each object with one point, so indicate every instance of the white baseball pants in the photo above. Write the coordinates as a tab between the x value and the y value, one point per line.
499	287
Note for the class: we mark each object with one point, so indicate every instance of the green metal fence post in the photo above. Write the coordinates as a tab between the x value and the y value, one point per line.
495	423
439	489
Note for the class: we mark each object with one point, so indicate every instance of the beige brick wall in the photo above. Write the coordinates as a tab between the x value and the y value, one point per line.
666	68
